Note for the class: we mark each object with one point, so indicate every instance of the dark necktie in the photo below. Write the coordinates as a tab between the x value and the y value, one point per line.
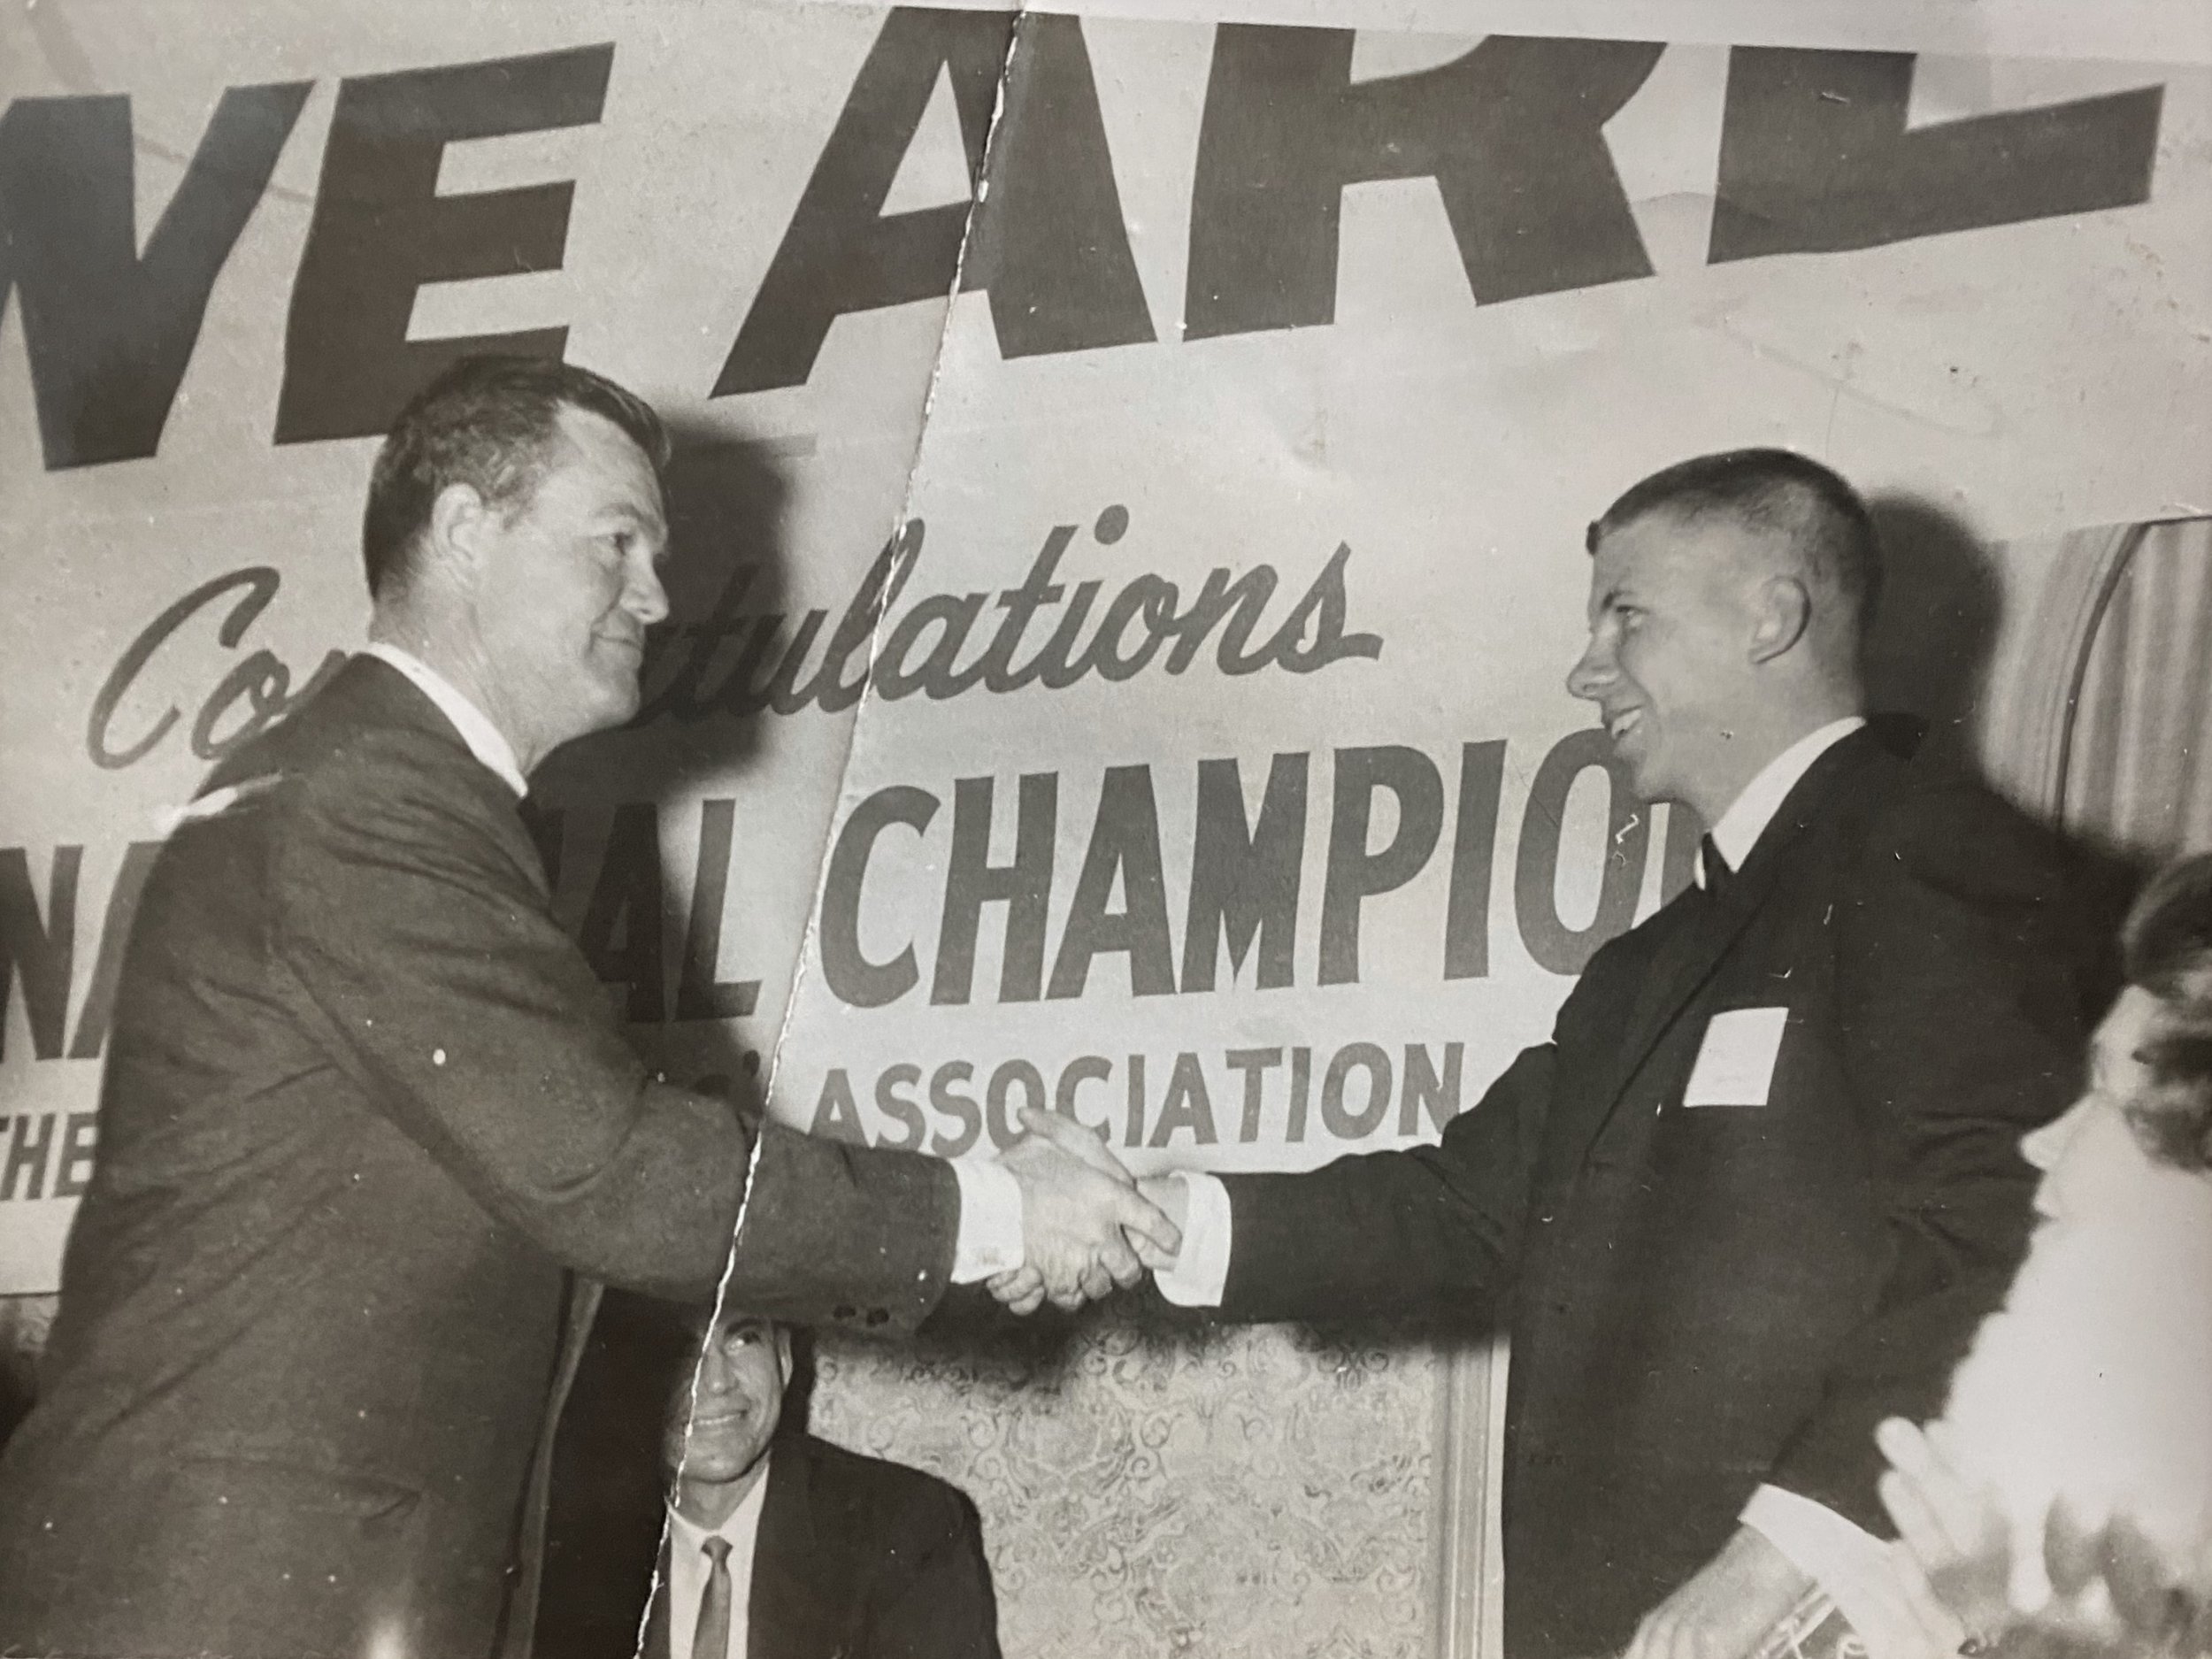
1718	874
711	1637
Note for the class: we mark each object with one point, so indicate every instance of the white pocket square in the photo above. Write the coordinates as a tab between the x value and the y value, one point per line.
1735	1064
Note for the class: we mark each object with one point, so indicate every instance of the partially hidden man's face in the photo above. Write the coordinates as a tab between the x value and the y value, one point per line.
731	1407
568	582
1667	661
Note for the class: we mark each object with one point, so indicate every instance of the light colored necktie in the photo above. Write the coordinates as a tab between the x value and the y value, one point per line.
711	1637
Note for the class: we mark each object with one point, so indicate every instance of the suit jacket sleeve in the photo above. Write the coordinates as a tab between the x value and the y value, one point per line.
425	947
1963	972
1426	1229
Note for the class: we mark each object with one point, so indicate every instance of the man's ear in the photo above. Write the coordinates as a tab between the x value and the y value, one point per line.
783	1353
1781	613
454	536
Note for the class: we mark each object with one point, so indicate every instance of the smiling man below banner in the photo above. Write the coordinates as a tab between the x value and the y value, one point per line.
370	1138
1758	1190
756	1540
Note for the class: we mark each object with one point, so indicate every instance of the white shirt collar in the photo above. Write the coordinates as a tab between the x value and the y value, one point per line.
483	738
688	1567
1748	817
737	1527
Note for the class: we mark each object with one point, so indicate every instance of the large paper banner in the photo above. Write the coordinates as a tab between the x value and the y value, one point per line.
1130	510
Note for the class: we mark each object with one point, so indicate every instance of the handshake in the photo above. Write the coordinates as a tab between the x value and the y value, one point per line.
1087	1226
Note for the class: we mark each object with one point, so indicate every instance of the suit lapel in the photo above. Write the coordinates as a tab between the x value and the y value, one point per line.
1703	927
789	1616
522	1616
390	697
654	1644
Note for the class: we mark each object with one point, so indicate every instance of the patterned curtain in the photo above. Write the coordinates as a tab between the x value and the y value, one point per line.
2099	711
2138	772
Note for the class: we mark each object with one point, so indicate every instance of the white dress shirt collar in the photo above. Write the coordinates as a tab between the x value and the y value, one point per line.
687	1568
483	738
1748	816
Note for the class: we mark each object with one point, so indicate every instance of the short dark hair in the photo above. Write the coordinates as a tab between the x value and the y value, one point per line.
489	422
2167	951
1776	490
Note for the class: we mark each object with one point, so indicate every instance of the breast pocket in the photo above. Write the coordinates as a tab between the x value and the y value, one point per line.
1736	1058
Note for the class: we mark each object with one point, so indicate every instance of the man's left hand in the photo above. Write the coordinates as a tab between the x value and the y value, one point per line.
1727	1609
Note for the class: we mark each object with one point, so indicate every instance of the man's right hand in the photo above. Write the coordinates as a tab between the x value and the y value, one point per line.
1077	1203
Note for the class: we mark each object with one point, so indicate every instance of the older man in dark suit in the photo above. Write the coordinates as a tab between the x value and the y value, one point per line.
1757	1191
689	1507
370	1138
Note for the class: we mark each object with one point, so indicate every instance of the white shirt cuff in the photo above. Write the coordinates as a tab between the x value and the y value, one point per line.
1851	1564
990	1238
1201	1272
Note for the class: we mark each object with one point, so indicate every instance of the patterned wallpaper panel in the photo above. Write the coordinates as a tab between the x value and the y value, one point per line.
1153	1487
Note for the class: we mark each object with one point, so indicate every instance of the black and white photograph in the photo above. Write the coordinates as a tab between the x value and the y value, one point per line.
1127	829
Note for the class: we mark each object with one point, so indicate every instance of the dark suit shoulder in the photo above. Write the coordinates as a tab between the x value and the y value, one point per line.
883	1495
366	716
1888	821
371	716
900	1553
382	806
369	773
1934	822
370	768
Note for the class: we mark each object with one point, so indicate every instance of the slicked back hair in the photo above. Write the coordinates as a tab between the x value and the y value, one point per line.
2167	951
491	423
1775	492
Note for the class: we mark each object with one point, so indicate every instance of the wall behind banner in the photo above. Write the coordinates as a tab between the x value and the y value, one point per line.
1130	685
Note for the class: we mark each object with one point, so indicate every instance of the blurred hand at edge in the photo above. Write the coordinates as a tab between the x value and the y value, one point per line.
1954	1533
